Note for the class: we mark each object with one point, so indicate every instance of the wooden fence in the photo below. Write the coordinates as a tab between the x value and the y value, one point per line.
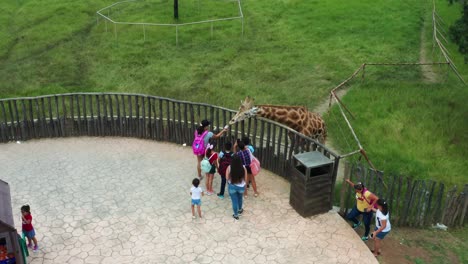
414	203
147	117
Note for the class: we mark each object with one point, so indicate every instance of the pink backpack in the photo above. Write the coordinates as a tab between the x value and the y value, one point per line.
198	145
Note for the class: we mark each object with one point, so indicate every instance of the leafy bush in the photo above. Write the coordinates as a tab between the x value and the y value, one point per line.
459	32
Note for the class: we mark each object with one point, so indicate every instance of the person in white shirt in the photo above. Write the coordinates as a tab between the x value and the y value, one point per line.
382	225
197	193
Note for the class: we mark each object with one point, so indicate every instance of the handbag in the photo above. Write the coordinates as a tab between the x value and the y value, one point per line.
254	164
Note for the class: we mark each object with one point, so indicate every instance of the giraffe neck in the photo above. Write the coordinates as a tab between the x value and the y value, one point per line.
291	116
297	118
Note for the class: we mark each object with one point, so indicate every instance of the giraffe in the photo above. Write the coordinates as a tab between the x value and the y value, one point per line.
296	117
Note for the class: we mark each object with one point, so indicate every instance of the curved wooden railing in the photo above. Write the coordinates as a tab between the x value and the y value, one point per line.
147	117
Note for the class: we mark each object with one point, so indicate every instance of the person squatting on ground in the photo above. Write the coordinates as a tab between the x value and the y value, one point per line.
244	153
197	193
28	229
382	224
235	176
202	138
212	157
225	158
365	201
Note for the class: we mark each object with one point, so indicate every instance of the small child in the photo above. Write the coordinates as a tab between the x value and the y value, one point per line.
212	157
196	193
28	229
382	224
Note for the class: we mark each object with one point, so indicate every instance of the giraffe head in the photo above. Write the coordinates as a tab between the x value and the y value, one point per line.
246	110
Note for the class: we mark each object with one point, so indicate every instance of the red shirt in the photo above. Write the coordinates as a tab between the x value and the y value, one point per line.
214	157
26	226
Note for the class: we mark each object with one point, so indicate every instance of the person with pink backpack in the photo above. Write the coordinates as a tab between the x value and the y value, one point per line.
202	138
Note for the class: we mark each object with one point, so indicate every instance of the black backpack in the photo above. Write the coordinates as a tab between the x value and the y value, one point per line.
225	162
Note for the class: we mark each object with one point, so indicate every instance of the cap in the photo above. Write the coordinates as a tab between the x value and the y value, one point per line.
205	123
358	186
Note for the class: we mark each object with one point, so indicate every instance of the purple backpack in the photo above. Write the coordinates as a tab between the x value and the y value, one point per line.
198	145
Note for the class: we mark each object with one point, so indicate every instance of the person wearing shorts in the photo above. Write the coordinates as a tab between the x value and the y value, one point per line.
27	227
382	225
196	192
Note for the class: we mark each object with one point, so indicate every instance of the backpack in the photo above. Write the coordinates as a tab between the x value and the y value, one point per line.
205	164
225	162
198	145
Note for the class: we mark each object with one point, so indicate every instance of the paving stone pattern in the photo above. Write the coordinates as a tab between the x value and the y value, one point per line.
115	200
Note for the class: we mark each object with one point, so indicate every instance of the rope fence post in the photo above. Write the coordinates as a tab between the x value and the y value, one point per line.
177	36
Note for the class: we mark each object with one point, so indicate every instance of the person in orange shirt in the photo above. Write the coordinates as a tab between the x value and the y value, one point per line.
365	201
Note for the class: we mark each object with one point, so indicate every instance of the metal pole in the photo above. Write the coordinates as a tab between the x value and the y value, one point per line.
144	32
242	27
177	36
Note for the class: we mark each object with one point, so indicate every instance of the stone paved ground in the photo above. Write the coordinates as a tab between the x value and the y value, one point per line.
114	200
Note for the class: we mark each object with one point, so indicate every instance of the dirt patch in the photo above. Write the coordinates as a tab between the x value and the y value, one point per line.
429	76
406	245
322	109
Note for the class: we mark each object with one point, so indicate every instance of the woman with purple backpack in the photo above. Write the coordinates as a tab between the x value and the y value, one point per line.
202	138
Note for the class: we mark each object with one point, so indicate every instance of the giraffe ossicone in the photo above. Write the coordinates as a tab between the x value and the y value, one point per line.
298	118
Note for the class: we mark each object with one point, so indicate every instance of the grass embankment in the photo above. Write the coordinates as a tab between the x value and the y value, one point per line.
293	52
410	126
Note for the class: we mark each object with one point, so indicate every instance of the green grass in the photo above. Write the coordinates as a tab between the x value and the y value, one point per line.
409	127
161	12
431	246
293	52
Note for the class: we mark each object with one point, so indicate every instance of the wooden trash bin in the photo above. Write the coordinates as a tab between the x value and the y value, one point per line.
311	183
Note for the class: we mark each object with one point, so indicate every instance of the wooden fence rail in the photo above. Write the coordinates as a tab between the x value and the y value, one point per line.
414	203
147	117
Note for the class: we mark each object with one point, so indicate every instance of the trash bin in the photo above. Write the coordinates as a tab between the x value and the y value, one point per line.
311	183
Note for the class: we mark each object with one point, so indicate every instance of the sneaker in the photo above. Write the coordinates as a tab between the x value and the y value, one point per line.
235	217
356	225
30	245
193	217
365	238
35	248
220	196
240	211
209	193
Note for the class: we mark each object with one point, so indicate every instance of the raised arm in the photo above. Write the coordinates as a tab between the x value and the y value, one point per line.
219	134
350	182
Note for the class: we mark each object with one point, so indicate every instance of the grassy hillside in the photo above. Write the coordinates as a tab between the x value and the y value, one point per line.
411	126
293	52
